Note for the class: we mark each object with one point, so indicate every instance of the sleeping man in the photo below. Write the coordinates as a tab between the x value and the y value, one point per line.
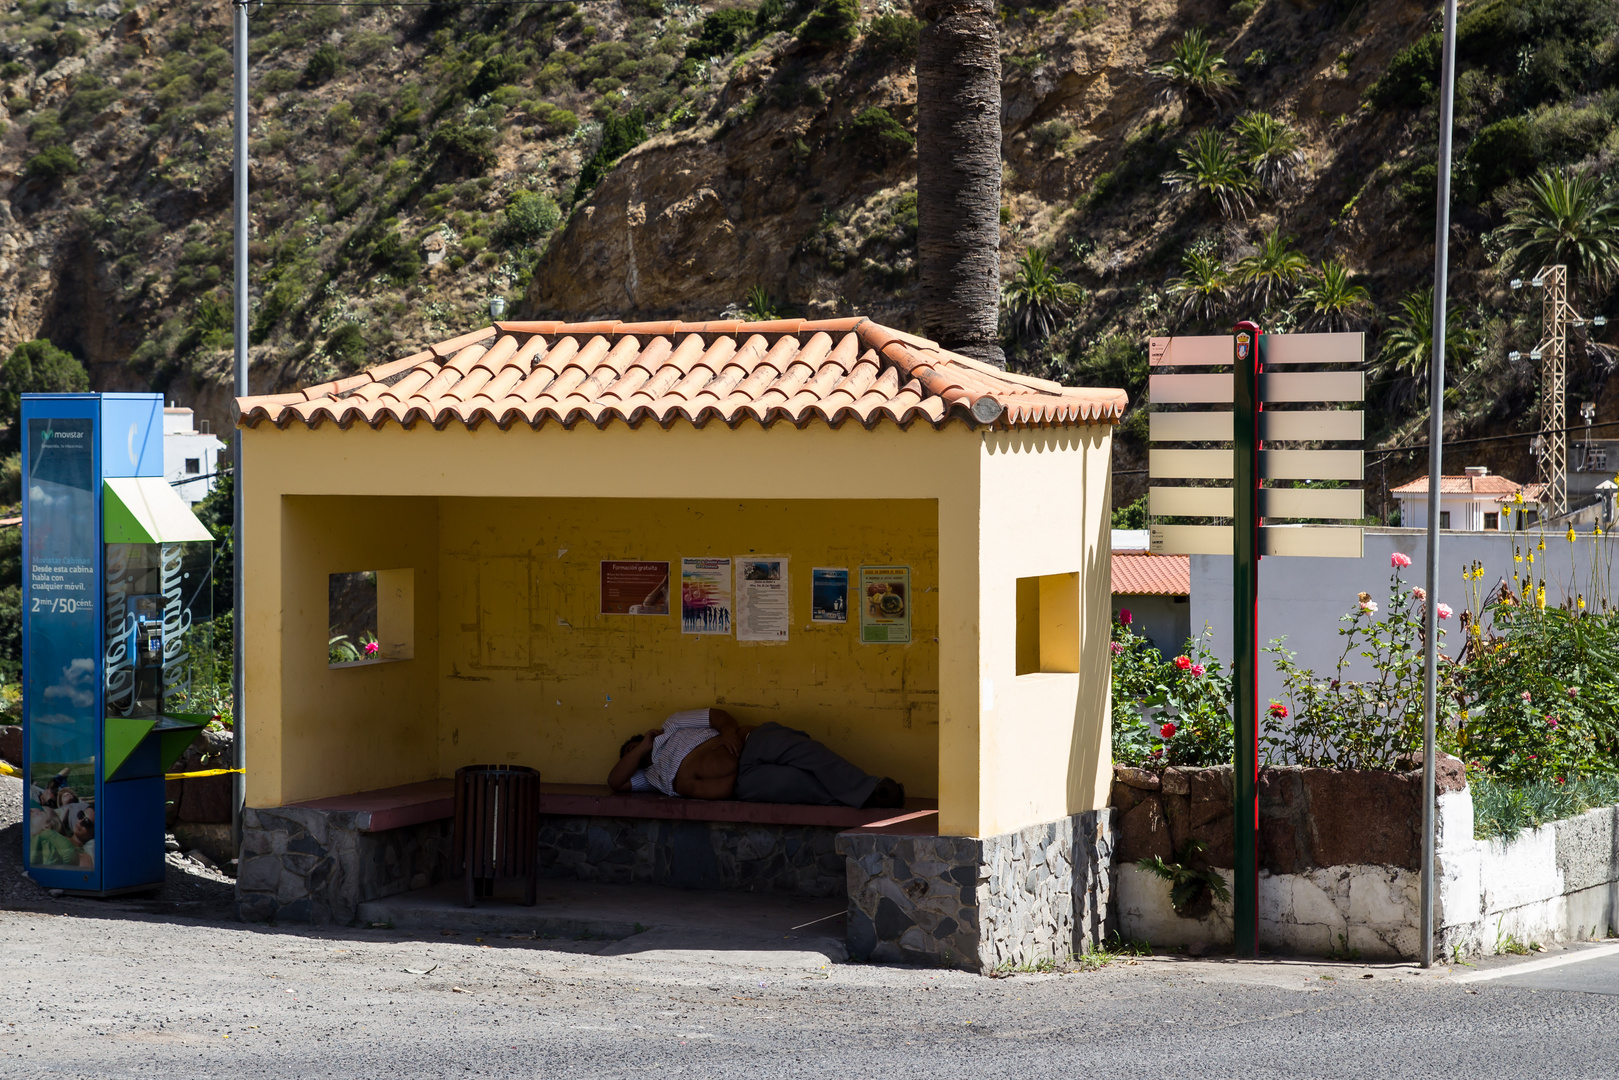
704	754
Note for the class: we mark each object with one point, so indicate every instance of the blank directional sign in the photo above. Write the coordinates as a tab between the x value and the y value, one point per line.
1311	541
1190	464
1311	386
1313	349
1193	502
1190	351
1192	539
1190	389
1341	504
1312	425
1302	464
1189	427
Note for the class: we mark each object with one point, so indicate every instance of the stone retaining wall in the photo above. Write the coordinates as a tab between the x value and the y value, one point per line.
693	854
1012	900
303	865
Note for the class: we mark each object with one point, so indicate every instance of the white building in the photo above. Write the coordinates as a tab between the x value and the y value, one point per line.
190	457
1473	502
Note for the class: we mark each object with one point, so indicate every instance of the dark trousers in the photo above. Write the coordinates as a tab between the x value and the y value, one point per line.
780	765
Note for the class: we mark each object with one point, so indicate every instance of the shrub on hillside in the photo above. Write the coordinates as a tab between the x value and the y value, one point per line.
620	135
894	34
323	64
35	367
720	34
529	216
877	133
52	164
833	22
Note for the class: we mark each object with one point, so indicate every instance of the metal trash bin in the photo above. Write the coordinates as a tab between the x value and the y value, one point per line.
497	824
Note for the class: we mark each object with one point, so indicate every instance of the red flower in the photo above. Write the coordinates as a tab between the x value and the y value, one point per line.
1167	731
1278	710
1183	662
1125	617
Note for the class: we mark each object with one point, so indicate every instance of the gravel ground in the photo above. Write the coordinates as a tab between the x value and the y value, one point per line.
188	886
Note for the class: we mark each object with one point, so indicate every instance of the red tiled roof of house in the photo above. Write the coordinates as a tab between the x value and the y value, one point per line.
1463	485
1143	574
834	371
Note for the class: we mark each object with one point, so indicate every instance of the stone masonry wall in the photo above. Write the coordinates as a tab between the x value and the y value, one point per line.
693	854
1010	900
302	865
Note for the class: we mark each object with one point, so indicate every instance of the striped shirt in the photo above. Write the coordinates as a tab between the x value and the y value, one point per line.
682	733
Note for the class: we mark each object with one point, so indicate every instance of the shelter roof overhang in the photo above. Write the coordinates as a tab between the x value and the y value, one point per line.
788	371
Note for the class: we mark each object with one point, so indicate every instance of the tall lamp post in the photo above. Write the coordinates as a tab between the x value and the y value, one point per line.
238	621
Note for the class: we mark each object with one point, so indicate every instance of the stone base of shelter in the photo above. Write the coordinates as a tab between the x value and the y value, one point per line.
300	864
981	903
751	857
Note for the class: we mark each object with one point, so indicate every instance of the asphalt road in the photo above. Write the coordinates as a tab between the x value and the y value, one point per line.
116	993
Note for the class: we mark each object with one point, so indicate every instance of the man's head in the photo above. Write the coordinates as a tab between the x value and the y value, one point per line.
640	745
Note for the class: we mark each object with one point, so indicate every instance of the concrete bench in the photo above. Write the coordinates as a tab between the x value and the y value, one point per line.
432	800
319	859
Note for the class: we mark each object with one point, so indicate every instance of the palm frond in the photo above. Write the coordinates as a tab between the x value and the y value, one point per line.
1194	67
1209	166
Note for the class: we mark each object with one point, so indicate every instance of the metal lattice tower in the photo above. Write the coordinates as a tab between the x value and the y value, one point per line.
1555	316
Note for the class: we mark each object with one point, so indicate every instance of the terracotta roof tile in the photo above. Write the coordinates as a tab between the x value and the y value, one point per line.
1142	574
793	370
1488	484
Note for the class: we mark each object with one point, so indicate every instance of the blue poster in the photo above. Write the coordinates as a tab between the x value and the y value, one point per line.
59	613
829	594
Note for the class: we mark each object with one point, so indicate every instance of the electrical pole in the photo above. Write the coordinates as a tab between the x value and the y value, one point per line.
238	570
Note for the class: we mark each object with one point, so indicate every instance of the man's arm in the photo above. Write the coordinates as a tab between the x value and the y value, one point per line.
730	735
639	757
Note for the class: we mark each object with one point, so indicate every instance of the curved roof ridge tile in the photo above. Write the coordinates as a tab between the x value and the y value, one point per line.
449	348
498	353
469	387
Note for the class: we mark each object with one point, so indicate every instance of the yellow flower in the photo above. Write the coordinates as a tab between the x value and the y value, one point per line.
1571	534
1541	546
1531	558
1579	602
1598	530
1517	556
1517	498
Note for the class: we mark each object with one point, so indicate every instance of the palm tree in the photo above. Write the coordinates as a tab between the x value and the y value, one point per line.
1036	298
1195	68
1209	166
1269	147
1204	288
1567	218
1406	351
1273	270
958	176
1329	302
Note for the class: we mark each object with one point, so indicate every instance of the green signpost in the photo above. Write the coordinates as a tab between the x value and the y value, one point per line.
1313	477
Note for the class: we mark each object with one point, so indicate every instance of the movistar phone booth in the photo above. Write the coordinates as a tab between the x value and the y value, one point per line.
116	587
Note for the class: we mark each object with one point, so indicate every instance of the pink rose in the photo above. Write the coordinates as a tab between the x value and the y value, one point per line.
371	648
1526	696
1198	670
1400	560
1167	731
1278	710
1445	611
1419	592
1118	650
1551	721
1125	617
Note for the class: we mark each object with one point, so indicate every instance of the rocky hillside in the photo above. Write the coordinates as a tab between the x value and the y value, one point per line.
635	158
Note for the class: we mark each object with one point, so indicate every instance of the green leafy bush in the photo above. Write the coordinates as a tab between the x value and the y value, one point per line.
1188	700
894	34
720	33
878	134
35	367
529	216
833	22
1501	808
492	74
620	135
323	64
470	148
1410	78
52	164
347	345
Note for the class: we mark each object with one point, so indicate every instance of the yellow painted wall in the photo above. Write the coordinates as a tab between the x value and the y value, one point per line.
534	674
349	728
1044	737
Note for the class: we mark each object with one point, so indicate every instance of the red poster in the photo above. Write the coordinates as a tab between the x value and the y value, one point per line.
635	588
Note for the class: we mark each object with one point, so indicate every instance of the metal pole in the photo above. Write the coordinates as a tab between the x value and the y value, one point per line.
238	655
1436	433
1245	649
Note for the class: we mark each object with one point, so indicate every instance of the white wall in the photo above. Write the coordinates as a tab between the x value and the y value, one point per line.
205	448
1466	511
1301	599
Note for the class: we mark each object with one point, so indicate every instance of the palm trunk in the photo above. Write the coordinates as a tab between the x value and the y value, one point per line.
958	176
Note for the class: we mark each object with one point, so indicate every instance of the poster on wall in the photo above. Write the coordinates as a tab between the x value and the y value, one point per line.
705	596
762	609
885	604
634	588
829	594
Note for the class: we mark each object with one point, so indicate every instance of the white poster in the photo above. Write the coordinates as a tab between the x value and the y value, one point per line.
762	610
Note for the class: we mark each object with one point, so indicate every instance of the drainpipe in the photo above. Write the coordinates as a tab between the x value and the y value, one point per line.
238	621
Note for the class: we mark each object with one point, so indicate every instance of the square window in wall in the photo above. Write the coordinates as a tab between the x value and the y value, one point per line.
1492	521
1048	624
370	616
1444	519
193	466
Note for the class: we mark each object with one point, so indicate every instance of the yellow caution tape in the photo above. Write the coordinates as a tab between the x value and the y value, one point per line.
7	769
